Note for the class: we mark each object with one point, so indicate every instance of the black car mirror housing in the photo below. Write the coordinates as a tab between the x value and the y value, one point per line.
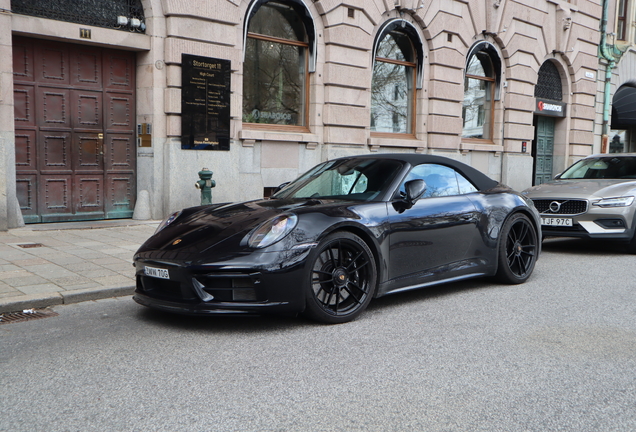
414	190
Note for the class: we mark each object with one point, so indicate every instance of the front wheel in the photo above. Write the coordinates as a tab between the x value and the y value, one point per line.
631	246
518	250
341	279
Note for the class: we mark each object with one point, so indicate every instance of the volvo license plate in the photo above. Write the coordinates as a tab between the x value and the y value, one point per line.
551	221
156	272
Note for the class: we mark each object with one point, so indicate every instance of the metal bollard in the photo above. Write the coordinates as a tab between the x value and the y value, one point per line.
205	184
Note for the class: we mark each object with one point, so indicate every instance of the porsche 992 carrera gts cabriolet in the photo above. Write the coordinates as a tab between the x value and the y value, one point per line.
347	231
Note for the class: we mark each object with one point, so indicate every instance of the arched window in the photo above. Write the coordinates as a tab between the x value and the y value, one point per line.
482	73
276	65
395	73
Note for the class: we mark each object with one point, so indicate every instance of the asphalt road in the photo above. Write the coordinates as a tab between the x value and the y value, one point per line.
555	354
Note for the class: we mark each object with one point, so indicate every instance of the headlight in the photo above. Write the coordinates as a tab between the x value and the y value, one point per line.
527	200
615	202
272	231
167	221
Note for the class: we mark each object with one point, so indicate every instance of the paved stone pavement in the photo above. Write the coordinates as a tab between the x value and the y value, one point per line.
47	264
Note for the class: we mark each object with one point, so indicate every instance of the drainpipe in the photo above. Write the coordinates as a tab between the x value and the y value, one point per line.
612	55
606	105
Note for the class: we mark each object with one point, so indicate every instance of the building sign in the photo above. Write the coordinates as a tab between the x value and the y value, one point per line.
549	108
205	103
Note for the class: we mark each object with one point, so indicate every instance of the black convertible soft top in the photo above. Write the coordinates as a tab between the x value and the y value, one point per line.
481	181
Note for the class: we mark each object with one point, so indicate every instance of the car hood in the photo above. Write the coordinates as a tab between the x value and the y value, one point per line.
583	189
198	230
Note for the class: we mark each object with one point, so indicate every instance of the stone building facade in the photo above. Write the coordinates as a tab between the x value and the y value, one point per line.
509	87
616	99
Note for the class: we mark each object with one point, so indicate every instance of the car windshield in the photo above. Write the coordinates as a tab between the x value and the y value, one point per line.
603	167
352	179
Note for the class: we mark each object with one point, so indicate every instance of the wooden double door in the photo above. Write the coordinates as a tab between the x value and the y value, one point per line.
74	131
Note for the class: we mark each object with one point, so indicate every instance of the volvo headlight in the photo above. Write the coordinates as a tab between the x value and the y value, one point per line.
167	221
272	231
615	202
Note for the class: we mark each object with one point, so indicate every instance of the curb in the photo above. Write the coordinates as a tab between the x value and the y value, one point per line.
39	301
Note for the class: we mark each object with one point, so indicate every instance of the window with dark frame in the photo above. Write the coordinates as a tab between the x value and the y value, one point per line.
621	20
479	89
275	71
393	85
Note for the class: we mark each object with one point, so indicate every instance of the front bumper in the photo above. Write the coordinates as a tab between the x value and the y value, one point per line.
210	290
596	223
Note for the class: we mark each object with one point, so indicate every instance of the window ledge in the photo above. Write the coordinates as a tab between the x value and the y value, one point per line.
375	142
464	147
249	136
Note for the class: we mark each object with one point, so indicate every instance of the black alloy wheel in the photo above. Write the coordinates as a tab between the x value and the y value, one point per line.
518	250
342	278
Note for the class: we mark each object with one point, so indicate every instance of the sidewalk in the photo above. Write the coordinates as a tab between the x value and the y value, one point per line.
48	264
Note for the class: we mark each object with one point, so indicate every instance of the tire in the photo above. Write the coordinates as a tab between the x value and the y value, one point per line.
631	246
341	279
517	252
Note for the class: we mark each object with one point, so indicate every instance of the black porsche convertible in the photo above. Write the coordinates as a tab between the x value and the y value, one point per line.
347	231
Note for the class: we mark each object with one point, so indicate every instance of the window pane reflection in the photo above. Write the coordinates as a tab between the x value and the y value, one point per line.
277	20
274	72
392	85
476	108
391	98
396	46
480	64
618	142
273	83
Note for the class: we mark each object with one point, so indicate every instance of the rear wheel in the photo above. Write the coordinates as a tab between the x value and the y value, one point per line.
342	279
517	250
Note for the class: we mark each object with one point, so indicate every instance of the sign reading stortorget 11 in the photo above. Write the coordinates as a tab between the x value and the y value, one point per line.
205	103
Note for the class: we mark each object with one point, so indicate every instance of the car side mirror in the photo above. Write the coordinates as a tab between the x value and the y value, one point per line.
414	190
